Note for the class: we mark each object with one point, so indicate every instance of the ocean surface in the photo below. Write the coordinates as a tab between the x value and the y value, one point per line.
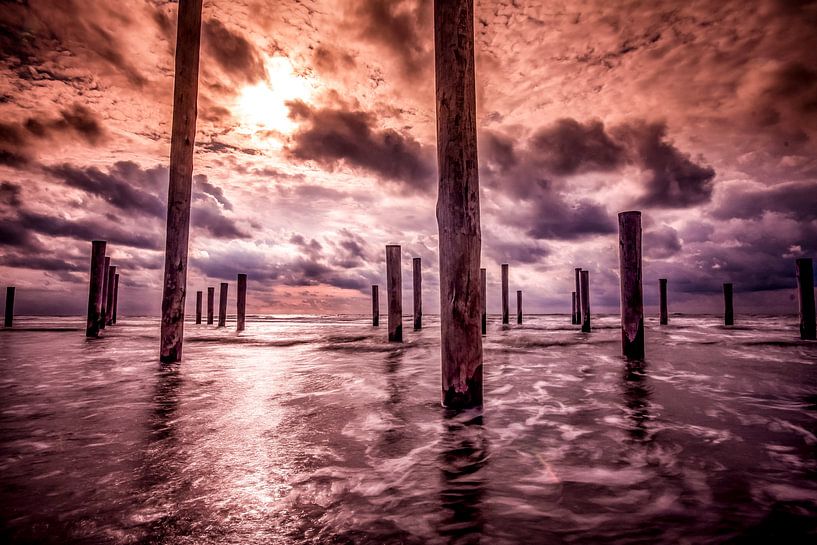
314	429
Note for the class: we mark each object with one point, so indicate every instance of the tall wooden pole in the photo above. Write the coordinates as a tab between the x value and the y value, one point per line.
483	297
575	307
96	279
505	302
222	305
115	297
518	306
241	302
375	306
104	310
632	297
111	288
578	272
9	316
584	286
458	204
183	135
805	296
662	293
418	292
394	295
199	295
211	295
728	309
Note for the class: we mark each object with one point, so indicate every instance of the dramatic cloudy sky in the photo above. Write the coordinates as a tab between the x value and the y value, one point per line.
315	147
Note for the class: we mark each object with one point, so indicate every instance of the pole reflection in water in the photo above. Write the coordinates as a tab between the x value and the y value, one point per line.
637	399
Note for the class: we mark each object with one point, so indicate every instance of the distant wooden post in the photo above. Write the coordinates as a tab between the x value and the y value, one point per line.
805	296
105	287
375	306
483	297
211	295
632	296
505	302
9	318
418	293
115	297
662	292
222	305
728	310
199	295
585	300
394	295
96	279
575	307
458	204
183	136
578	316
111	288
518	306
241	302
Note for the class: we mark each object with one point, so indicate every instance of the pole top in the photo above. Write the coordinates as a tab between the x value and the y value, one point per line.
630	213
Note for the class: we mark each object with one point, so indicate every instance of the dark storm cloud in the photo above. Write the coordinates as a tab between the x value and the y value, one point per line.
661	243
211	219
233	52
797	200
330	60
203	189
350	250
569	147
40	263
312	248
553	218
514	252
332	137
10	194
86	230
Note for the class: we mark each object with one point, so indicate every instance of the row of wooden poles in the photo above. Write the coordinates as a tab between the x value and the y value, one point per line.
103	292
241	303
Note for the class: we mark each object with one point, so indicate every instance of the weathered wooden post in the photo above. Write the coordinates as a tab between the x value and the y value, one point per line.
418	293
585	300
505	302
222	305
9	317
805	296
105	287
578	272
458	204
111	288
115	297
662	293
211	295
575	307
96	279
199	296
483	297
632	298
394	295
375	306
518	306
241	302
183	136
728	310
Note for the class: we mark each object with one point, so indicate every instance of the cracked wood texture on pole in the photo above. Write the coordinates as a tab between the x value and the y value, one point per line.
241	302
458	204
96	278
9	317
183	135
578	316
418	293
728	309
805	297
222	305
375	306
394	292
505	302
632	297
662	295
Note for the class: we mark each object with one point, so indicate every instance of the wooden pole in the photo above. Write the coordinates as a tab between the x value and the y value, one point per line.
578	316
728	309
96	279
111	287
104	310
518	306
458	204
222	305
241	302
418	293
805	296
632	299
394	295
183	136
375	306
483	297
9	317
662	291
115	297
199	295
575	307
505	302
211	295
585	300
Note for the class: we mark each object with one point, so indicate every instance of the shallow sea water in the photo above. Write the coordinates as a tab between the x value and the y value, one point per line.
317	430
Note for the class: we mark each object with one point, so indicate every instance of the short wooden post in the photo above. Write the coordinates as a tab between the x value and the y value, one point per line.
222	305
115	297
394	295
578	316
418	293
805	296
518	306
585	300
505	302
632	297
375	306
575	307
96	279
180	189
241	302
9	317
662	293
105	287
211	295
728	309
483	297
111	288
199	296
